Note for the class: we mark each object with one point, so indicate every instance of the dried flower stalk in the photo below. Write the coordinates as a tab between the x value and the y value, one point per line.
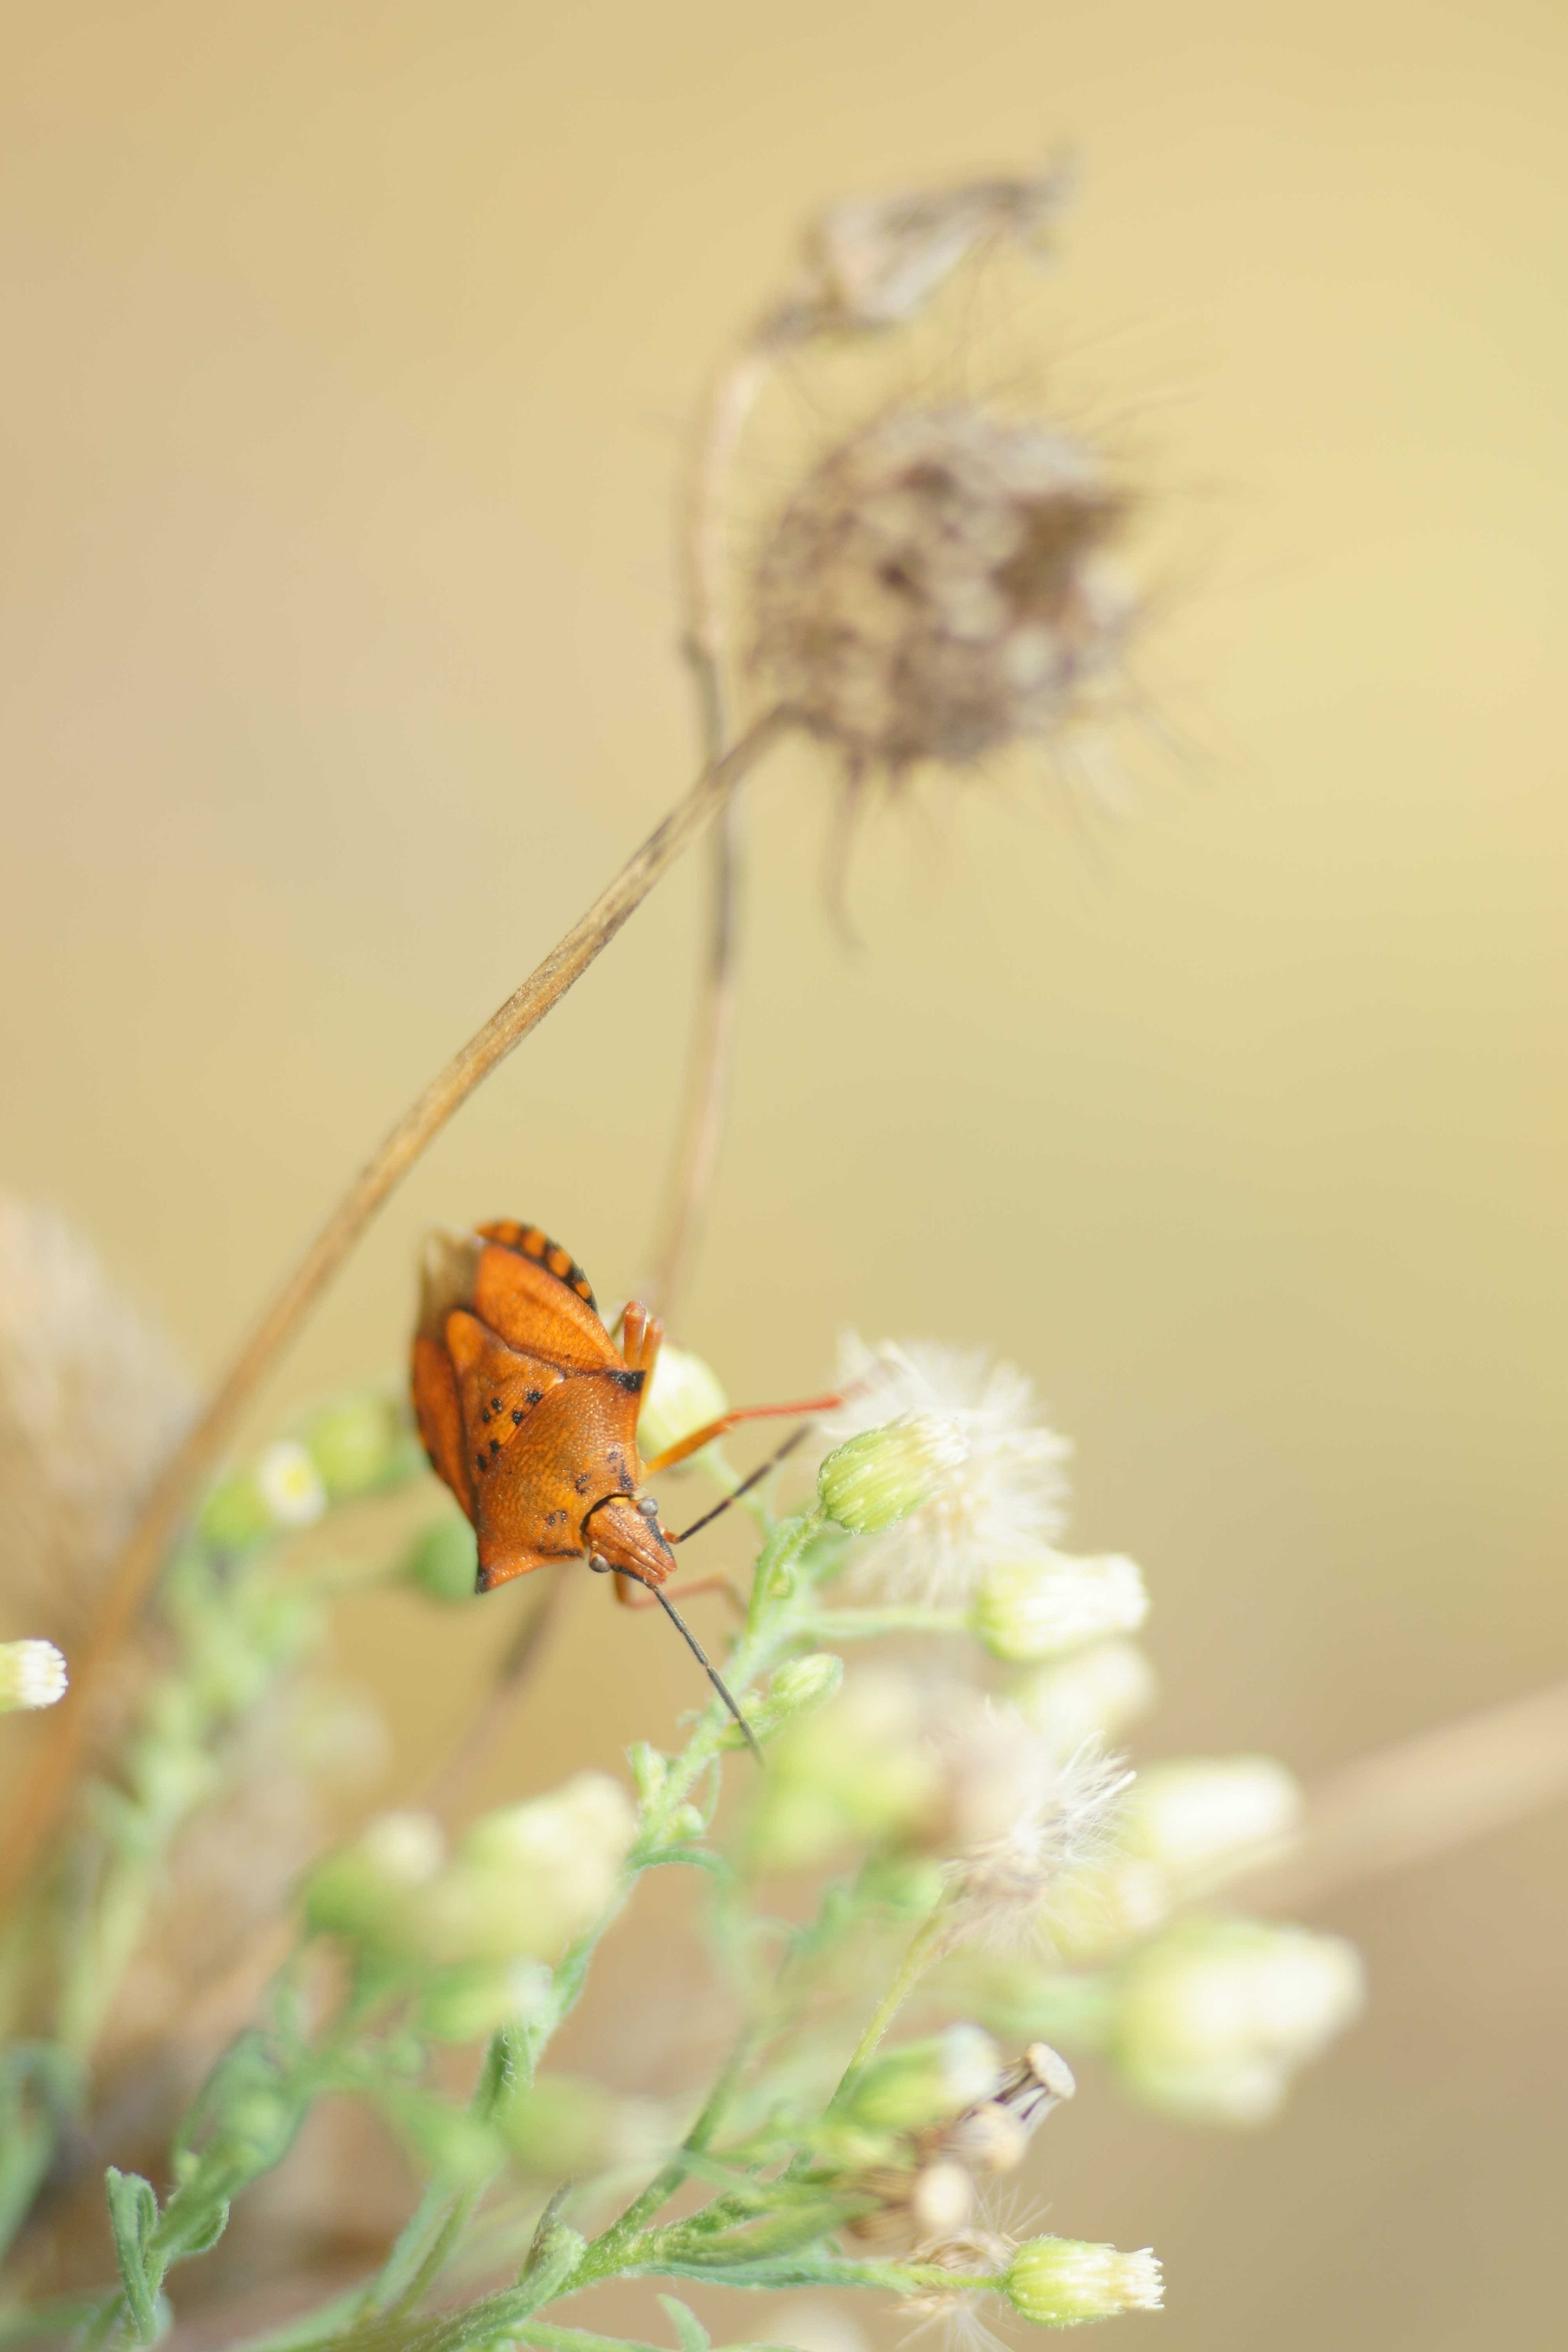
42	1801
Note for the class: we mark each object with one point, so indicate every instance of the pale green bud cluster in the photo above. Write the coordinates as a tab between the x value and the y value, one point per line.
527	1879
523	1883
796	1690
366	1891
859	1771
874	1480
32	1674
1213	2018
1061	2282
683	1395
348	1447
927	2083
1041	1608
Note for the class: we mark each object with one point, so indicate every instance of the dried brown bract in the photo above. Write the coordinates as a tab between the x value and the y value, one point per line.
940	587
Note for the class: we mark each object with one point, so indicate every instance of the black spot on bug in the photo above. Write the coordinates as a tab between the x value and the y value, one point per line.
495	1445
480	1464
581	1482
554	1519
629	1381
495	1404
516	1414
534	1395
484	1412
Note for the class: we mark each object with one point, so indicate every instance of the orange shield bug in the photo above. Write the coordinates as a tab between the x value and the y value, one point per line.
528	1409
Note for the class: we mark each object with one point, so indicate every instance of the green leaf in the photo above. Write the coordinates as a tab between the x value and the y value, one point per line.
198	2235
694	2336
134	2217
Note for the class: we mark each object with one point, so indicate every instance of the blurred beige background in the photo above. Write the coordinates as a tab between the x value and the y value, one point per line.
348	351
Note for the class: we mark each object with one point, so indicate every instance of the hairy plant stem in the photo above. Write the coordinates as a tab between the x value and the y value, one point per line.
924	1947
41	1802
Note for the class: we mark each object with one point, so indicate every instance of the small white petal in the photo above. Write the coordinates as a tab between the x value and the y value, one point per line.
32	1674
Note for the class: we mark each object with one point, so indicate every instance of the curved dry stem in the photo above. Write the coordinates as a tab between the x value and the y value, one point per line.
730	403
40	1803
1404	1804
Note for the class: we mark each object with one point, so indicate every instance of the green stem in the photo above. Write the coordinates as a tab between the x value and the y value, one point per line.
922	1948
869	1625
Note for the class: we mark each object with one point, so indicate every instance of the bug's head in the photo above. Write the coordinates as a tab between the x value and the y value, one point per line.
623	1533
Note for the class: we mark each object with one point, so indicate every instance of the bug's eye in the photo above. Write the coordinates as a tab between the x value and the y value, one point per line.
598	1563
648	1507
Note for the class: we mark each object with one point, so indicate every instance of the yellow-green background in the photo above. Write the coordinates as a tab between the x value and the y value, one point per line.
347	350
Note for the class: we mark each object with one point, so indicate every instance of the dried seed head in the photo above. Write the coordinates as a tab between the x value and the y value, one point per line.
876	261
939	587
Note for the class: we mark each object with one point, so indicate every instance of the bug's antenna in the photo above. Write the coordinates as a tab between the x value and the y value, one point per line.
703	1660
744	1487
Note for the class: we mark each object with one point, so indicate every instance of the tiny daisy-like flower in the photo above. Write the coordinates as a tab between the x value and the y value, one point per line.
290	1485
1018	1817
1060	2281
32	1674
997	1489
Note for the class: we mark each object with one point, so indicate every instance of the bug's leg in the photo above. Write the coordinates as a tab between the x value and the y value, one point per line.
643	1335
629	1597
727	1421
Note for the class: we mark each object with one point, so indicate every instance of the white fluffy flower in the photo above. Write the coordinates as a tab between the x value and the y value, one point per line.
1020	1815
1000	1492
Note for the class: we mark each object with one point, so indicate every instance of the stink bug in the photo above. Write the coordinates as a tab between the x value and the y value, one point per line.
528	1409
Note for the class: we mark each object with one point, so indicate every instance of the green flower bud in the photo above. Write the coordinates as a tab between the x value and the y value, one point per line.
683	1394
1212	2019
872	1481
926	2082
464	2004
443	1561
370	1891
235	1513
32	1674
796	1691
649	1770
910	1885
353	1442
1039	1608
1060	2281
